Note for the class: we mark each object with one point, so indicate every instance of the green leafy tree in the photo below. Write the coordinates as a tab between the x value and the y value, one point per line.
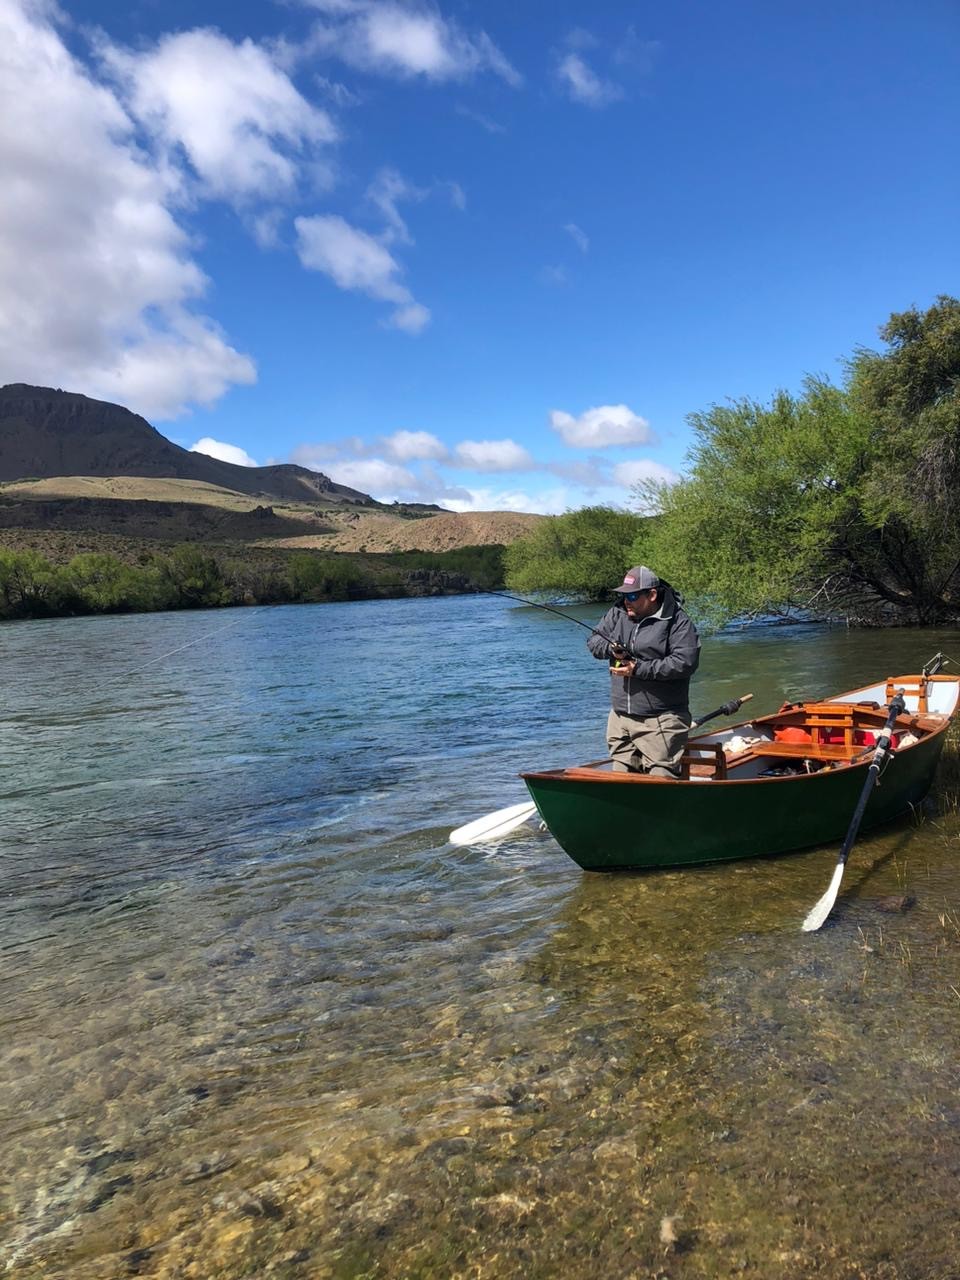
29	586
100	583
317	578
192	580
843	500
582	553
911	396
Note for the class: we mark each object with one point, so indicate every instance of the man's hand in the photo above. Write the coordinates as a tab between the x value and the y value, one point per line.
623	664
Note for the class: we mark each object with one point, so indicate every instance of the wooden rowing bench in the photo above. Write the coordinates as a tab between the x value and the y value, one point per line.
708	759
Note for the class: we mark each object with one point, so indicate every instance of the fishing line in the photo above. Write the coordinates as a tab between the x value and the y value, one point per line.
505	595
190	643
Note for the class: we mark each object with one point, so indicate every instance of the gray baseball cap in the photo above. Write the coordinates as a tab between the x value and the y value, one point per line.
639	578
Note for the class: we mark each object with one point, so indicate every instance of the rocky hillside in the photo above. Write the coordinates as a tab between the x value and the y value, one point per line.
46	432
80	473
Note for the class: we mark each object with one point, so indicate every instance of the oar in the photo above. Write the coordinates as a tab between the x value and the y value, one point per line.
493	825
728	709
823	908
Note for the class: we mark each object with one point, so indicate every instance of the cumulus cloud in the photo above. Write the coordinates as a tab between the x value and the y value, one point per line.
388	482
383	480
223	452
234	113
410	319
408	446
607	424
97	281
315	456
493	455
551	502
406	40
357	261
582	84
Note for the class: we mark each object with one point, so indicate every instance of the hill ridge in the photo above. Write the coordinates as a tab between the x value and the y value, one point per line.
47	432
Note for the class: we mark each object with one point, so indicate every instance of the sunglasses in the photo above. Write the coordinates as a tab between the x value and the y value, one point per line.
634	595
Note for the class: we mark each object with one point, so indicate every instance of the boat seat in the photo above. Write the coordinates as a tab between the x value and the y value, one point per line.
833	752
906	685
703	760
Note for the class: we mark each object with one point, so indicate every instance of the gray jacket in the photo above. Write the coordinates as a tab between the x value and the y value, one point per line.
667	649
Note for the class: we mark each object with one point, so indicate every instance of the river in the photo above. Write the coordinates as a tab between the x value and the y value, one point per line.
258	1017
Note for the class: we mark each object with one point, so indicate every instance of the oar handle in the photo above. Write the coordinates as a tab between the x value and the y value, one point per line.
727	709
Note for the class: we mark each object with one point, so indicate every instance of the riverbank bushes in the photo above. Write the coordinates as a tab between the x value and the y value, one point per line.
582	553
193	577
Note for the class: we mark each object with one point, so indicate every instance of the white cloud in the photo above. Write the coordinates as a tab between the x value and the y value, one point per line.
458	197
237	116
411	319
384	481
404	40
408	446
635	470
608	424
223	452
549	503
493	455
357	261
315	456
161	373
580	238
582	84
386	192
97	282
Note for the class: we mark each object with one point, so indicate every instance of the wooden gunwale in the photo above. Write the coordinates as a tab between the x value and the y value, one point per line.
928	725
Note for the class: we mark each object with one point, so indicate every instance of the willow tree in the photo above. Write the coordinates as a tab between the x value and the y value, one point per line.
581	553
842	500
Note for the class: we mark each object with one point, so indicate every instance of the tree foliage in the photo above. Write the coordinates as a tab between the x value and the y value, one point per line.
582	553
192	577
842	500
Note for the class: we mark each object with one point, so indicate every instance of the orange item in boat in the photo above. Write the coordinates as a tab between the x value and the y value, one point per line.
791	733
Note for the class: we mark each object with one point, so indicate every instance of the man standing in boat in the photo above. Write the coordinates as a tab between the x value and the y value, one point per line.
653	649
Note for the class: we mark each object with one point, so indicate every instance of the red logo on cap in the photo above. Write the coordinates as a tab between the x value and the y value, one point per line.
629	579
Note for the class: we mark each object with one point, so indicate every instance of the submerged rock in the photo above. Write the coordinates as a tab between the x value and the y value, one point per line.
895	904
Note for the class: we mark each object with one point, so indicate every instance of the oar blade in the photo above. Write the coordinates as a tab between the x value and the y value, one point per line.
823	908
493	825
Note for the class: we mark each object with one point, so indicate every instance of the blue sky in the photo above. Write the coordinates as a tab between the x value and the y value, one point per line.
487	255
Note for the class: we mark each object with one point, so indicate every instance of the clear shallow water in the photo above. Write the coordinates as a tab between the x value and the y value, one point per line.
257	1017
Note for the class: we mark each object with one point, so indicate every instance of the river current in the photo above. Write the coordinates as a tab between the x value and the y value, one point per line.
258	1017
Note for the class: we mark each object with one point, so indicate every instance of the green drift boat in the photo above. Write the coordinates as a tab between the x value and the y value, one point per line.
778	783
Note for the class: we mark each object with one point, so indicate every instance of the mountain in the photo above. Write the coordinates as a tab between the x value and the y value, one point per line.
46	432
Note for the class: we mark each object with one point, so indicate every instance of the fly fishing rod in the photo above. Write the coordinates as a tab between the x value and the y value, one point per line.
505	595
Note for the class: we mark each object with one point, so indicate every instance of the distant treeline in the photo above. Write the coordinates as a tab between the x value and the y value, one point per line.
193	577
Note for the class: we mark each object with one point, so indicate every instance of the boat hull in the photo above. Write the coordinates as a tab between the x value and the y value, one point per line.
615	822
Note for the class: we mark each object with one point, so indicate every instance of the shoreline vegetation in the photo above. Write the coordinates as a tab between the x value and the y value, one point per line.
189	576
841	503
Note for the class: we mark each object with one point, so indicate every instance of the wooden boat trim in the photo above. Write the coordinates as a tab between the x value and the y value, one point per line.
862	715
